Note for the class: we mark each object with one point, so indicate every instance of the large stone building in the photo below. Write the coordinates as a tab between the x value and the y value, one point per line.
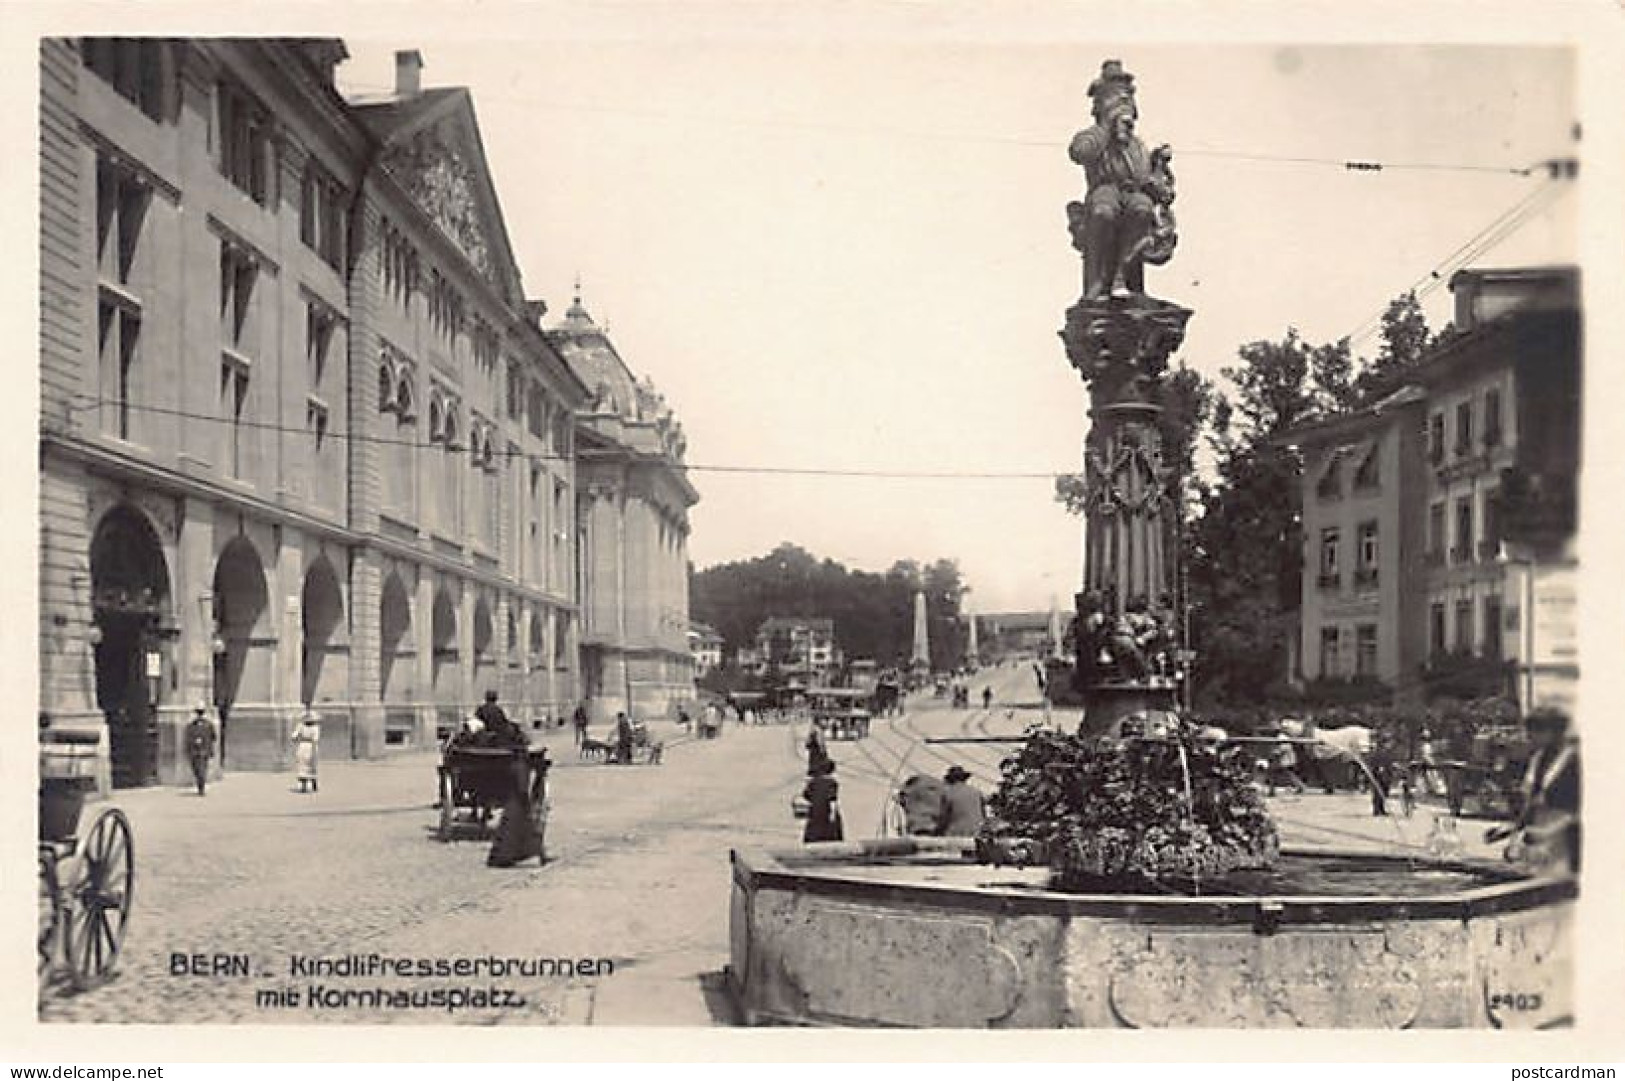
631	523
303	440
1439	519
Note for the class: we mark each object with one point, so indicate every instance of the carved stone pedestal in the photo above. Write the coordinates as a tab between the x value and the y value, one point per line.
1120	345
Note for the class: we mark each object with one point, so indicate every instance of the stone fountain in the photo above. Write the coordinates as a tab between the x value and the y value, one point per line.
915	932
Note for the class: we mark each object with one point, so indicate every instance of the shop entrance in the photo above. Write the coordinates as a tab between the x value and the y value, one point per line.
129	596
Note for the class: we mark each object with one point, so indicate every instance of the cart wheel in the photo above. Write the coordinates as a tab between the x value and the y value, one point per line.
444	832
50	917
100	893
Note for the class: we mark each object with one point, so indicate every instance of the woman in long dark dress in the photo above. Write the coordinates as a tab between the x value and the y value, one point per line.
519	834
823	810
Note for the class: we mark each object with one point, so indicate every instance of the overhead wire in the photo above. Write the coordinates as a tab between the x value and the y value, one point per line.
1485	239
90	402
1364	165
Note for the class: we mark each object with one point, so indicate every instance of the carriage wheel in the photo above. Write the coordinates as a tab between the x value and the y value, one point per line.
50	917
99	895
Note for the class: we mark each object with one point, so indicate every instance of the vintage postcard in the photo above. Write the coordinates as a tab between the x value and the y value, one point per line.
861	517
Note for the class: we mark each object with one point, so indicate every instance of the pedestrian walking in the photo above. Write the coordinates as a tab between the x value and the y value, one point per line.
623	739
522	831
963	807
200	746
580	719
987	697
817	749
306	737
823	806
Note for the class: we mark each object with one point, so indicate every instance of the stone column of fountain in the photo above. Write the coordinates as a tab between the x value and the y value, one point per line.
1119	339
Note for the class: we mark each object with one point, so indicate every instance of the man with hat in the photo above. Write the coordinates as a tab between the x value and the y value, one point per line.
200	745
963	807
495	718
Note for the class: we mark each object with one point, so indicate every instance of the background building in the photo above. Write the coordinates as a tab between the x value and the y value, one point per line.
632	526
303	440
706	645
1439	517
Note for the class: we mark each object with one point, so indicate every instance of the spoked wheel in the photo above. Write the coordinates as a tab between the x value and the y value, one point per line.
50	917
99	895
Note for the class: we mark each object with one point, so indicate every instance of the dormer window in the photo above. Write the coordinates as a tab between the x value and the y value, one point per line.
1369	475
1330	485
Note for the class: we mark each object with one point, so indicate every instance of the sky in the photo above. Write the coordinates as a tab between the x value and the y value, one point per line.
851	253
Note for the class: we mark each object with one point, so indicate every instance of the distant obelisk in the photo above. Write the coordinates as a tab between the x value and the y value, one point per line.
922	644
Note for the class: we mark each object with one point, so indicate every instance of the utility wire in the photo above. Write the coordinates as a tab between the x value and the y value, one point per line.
1052	144
1504	225
455	448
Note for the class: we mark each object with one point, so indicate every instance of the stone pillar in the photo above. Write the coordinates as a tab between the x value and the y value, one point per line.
1126	618
366	646
423	637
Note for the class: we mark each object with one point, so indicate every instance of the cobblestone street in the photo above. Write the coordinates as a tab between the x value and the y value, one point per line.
638	874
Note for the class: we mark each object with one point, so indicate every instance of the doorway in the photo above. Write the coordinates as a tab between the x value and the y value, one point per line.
129	596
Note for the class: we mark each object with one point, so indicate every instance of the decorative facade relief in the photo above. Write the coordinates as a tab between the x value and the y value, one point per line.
443	185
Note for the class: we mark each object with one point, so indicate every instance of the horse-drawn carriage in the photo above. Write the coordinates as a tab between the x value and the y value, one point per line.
476	779
839	711
86	882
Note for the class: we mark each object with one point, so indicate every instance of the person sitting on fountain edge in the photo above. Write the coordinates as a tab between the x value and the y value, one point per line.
1546	830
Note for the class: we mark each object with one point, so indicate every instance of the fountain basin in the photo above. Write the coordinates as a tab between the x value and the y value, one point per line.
908	932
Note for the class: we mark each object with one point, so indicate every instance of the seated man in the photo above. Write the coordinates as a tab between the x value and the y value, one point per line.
921	800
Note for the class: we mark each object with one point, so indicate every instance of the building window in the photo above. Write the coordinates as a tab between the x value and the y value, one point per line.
1329	541
1489	547
1464	626
119	334
1328	653
316	424
1435	550
238	271
486	345
1369	475
536	413
319	323
233	410
132	66
1366	571
1464	429
122	199
1365	651
121	209
1492	627
245	142
1463	551
322	215
1436	638
1436	438
1492	417
516	392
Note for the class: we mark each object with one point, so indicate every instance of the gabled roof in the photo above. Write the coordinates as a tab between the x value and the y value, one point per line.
433	147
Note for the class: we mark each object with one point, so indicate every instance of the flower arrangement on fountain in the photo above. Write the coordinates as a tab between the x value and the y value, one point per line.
1159	802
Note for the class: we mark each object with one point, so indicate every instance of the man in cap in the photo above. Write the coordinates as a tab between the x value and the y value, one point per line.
963	807
200	745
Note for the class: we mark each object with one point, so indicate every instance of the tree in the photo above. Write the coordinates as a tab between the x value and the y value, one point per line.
1406	340
1245	550
873	613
